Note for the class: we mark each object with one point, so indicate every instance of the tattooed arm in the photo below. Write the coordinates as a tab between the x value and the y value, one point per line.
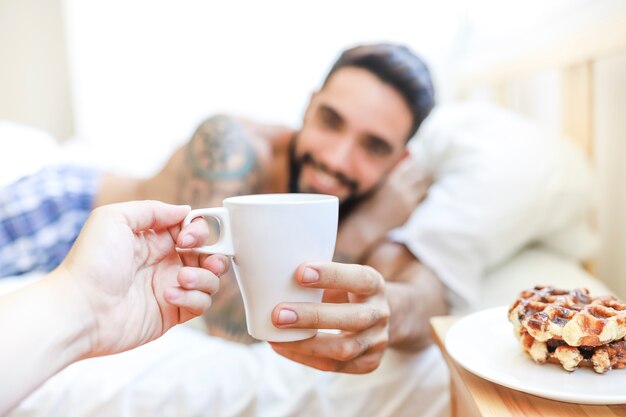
220	161
223	158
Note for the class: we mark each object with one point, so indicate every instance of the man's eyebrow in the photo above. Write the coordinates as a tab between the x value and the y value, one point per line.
324	108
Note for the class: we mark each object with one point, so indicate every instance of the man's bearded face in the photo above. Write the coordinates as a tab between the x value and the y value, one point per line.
353	134
346	201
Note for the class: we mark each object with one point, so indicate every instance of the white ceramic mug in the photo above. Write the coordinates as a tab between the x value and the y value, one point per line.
268	236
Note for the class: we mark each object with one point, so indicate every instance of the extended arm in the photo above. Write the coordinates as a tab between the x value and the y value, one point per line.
224	157
388	208
43	330
414	293
122	285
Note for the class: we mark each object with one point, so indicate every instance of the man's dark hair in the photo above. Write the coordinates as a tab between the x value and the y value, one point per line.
399	67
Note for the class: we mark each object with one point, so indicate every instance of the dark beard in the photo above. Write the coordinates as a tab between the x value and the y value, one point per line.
295	167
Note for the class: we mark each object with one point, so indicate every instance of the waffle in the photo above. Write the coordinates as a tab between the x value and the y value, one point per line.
572	316
571	328
600	358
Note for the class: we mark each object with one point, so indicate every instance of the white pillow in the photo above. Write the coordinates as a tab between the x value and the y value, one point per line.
23	151
535	265
500	182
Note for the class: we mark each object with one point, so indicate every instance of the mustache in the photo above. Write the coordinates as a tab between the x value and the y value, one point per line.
307	159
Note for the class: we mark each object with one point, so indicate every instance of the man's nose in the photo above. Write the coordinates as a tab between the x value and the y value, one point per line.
338	156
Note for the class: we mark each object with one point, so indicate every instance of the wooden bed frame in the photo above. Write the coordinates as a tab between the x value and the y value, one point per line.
572	57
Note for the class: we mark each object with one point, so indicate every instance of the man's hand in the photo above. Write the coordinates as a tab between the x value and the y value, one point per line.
354	302
393	203
389	207
134	284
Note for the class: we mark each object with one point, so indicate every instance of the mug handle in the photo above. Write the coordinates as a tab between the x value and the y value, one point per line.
224	244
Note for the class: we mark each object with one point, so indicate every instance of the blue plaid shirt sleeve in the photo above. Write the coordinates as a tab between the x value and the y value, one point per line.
41	216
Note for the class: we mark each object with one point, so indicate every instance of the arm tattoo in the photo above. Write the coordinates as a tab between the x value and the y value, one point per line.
220	162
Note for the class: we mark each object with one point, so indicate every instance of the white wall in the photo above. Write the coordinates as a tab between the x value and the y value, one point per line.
34	85
144	73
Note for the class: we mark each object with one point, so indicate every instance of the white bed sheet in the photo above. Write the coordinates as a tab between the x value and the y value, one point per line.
187	373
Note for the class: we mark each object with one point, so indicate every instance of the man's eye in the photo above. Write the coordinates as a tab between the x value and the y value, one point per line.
377	147
330	121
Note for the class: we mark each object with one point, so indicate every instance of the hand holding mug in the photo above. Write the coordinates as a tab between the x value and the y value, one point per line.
129	275
268	236
354	302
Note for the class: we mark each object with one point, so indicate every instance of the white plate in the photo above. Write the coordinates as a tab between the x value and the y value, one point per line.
484	344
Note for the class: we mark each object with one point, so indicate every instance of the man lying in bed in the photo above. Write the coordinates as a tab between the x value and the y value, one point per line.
352	144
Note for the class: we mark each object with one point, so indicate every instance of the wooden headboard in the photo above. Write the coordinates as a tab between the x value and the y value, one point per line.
573	55
560	75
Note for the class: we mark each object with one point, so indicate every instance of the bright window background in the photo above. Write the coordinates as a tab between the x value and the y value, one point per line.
144	73
129	80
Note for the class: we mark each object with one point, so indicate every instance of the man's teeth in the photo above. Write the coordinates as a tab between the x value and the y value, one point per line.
327	180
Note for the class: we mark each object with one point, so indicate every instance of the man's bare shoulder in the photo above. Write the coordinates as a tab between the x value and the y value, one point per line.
225	156
271	146
277	136
268	141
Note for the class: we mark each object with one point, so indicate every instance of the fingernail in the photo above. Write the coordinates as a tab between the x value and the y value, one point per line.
310	275
223	266
287	317
188	240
